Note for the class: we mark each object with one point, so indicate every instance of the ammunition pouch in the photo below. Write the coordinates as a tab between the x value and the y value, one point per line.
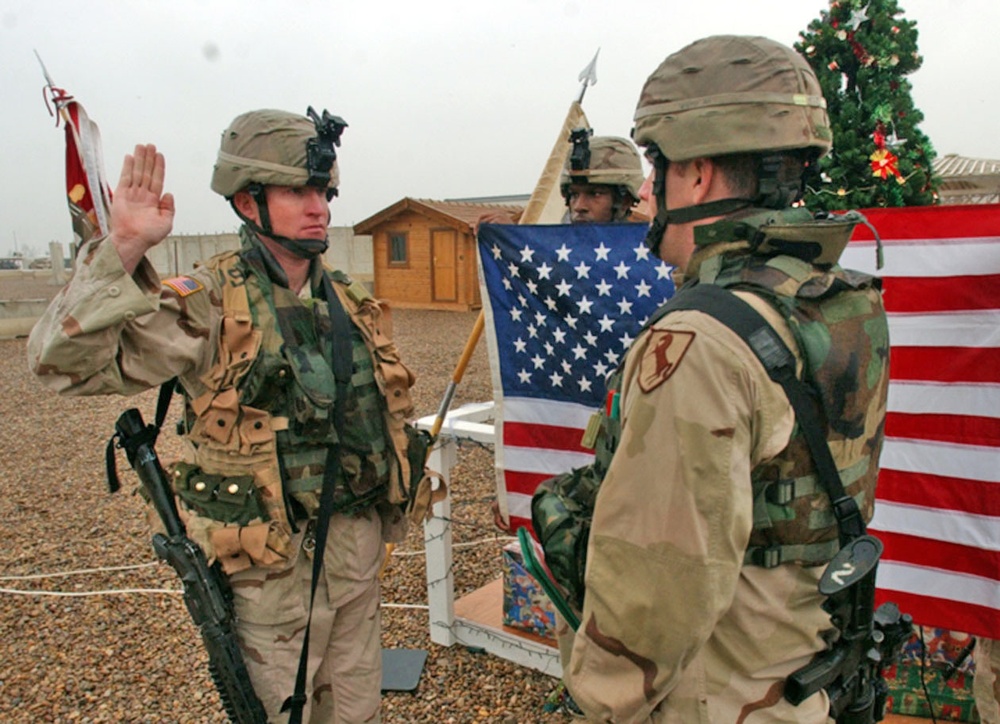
224	498
421	493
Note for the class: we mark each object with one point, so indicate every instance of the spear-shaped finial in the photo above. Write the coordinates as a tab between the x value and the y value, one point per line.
588	76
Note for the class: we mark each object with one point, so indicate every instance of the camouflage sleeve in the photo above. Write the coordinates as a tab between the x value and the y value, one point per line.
674	513
109	332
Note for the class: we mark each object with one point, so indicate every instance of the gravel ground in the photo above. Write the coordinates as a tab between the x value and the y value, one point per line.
116	646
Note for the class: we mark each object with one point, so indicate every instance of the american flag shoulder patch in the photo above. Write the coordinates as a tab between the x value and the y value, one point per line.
183	286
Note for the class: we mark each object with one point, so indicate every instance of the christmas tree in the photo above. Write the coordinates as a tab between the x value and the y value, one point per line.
862	51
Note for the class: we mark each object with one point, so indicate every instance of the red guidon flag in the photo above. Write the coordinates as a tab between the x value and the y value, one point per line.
938	498
87	189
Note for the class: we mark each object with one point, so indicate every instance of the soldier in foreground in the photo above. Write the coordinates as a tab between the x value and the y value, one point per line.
712	526
291	386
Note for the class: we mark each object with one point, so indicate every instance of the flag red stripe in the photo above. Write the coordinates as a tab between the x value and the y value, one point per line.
930	222
940	294
516	523
961	429
549	437
933	553
939	612
944	364
937	491
524	483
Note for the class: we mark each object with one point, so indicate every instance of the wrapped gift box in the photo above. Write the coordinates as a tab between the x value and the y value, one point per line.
953	699
525	605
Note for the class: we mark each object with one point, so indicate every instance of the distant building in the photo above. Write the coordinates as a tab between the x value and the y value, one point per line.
424	251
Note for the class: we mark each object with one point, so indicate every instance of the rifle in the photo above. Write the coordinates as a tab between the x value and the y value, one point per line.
852	669
206	590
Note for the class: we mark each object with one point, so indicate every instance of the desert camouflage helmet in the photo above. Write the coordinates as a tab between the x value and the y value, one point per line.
732	94
613	161
279	148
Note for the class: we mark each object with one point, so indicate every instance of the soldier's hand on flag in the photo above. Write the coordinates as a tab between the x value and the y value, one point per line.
141	214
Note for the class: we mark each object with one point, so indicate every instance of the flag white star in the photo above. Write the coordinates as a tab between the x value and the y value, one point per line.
612	357
532	331
584	305
544	271
626	340
603	289
563	252
540	319
606	323
538	362
527	254
579	352
590	338
582	271
524	376
532	287
625	306
549	349
564	288
550	303
515	314
602	252
571	321
642	288
622	270
507	285
663	270
584	384
641	252
496	252
520	345
514	271
559	335
567	367
557	379
600	369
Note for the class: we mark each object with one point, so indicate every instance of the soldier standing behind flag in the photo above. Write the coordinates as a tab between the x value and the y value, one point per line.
600	181
290	383
710	531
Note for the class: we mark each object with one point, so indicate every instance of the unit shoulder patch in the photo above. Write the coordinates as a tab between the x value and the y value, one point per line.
183	286
663	356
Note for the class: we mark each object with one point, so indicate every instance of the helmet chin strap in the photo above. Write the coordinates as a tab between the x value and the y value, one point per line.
687	214
302	248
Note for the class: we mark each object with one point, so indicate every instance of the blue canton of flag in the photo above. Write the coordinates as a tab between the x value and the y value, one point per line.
567	302
563	304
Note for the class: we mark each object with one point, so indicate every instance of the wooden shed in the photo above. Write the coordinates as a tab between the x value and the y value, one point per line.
424	252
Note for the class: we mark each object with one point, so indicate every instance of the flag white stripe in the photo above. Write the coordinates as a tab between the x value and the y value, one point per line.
946	329
542	460
546	412
966	529
519	505
944	398
926	258
969	462
923	581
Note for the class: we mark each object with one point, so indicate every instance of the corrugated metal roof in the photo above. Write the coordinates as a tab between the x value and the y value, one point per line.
967	180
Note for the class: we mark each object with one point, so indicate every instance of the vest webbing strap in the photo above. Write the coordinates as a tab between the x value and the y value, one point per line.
343	361
779	362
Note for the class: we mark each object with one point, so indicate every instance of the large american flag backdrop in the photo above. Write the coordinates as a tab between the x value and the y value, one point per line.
563	303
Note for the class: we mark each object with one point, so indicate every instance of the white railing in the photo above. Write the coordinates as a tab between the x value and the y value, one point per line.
469	422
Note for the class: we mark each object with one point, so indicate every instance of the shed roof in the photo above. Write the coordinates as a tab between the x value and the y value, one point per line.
455	213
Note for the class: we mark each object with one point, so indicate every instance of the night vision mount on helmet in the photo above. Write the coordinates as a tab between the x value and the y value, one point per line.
604	160
276	148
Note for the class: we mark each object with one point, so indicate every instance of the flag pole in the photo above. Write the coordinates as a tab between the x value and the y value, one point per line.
588	76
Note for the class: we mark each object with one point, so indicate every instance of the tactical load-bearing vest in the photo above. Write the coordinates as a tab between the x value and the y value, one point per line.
261	434
838	322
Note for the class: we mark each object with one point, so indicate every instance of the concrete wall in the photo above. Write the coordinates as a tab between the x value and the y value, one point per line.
175	256
178	254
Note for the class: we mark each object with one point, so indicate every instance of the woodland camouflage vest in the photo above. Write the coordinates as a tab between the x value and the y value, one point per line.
269	416
840	329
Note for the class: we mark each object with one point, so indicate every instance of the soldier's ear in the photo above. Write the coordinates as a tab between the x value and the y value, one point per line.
245	204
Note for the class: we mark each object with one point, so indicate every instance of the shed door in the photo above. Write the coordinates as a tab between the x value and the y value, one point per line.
444	270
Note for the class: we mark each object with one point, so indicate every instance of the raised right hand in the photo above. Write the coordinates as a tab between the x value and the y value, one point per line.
141	214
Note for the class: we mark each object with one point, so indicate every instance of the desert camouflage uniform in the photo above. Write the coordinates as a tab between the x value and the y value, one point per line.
109	332
675	626
987	681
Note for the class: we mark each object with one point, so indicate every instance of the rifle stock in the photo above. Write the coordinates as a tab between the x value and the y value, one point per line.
206	592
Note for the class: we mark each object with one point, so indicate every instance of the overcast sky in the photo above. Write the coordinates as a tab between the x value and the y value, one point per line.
444	98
